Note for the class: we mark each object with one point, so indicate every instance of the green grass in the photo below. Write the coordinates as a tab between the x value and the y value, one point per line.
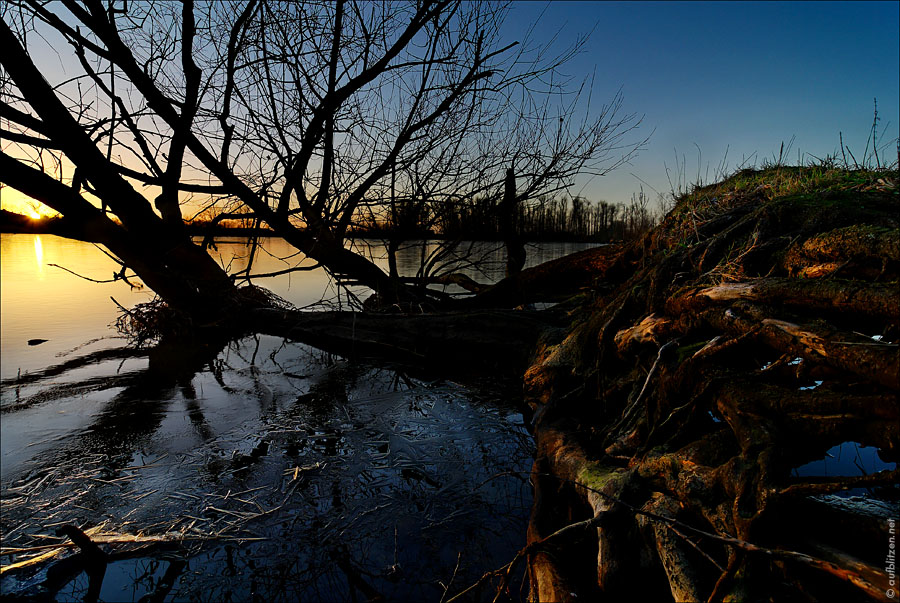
783	181
822	184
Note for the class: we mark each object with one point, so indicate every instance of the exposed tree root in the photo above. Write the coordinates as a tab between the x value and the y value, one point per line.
710	365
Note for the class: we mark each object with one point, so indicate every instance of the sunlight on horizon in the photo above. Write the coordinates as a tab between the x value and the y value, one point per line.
19	203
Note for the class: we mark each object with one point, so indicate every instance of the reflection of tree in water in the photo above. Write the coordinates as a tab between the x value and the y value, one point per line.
74	489
358	480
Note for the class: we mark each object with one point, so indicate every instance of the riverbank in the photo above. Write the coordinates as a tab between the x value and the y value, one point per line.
714	394
683	418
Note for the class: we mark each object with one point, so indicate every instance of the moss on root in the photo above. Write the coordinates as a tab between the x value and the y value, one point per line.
598	476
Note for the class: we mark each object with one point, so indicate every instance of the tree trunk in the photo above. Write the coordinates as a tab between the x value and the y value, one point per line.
474	341
176	269
515	250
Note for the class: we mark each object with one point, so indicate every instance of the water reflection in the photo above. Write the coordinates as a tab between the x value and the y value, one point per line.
39	256
69	311
48	303
296	473
335	479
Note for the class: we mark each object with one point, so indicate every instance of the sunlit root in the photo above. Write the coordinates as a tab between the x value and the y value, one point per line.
870	249
868	299
652	330
871	360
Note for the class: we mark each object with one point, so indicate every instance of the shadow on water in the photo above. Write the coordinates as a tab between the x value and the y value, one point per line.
264	470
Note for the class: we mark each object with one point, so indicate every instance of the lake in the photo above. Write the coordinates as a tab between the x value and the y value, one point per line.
272	472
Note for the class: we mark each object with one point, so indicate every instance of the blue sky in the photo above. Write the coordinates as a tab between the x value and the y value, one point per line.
738	75
741	76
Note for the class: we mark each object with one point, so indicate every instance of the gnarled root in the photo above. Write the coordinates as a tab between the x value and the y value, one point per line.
683	401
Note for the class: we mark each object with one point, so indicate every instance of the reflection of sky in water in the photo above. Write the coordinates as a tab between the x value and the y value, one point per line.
44	302
352	453
846	460
336	455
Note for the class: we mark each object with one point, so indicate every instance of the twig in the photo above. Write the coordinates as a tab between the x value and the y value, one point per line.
279	272
507	569
483	579
87	278
626	416
696	547
453	577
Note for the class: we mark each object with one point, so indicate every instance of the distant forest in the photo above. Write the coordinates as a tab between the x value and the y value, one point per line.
554	218
546	218
543	219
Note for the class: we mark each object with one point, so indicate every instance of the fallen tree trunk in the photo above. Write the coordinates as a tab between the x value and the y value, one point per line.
552	281
474	341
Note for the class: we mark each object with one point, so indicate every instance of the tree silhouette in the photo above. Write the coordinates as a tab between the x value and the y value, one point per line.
306	117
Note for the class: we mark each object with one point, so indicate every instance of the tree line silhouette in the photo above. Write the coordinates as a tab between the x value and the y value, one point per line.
545	218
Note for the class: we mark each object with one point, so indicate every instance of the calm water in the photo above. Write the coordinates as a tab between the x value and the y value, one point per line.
41	301
284	473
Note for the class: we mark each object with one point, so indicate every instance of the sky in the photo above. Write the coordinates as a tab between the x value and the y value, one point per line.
741	76
710	78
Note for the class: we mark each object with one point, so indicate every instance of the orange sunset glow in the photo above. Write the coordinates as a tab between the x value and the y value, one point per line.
14	201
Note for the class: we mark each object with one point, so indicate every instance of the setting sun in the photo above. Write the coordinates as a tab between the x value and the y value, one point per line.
14	201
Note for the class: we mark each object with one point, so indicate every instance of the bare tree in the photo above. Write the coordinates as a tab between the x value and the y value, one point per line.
303	116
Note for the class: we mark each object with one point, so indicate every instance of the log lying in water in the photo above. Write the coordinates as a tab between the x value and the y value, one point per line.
478	340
